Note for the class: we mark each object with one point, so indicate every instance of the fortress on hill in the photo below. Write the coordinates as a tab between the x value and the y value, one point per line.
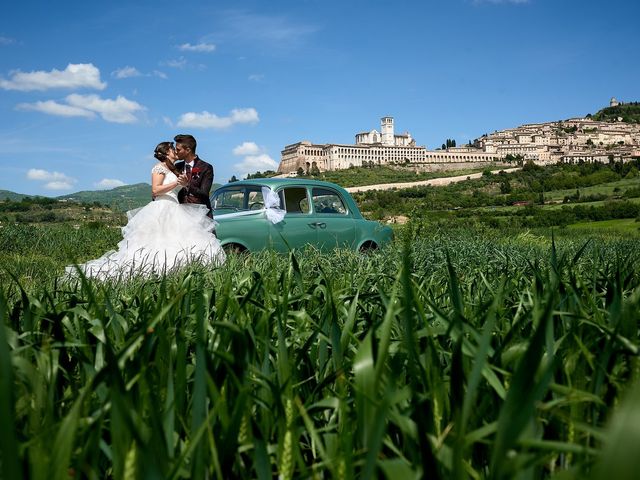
569	141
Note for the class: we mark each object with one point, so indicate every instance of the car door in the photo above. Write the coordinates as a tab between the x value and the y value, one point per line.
240	220
297	228
335	227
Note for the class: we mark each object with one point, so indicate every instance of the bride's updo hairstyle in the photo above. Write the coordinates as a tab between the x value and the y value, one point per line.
162	152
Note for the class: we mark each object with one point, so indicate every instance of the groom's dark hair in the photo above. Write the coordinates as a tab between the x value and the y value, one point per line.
187	141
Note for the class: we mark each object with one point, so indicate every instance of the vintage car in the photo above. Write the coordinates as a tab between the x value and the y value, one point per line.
285	213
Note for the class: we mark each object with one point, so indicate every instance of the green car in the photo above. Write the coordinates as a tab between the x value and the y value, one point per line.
285	213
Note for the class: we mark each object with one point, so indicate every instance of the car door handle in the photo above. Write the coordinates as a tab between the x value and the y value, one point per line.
318	224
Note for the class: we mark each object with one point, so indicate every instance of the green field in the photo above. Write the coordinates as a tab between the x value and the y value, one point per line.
553	206
456	353
487	341
598	203
624	226
609	189
358	176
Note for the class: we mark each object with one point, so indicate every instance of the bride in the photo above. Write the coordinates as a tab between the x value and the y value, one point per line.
164	234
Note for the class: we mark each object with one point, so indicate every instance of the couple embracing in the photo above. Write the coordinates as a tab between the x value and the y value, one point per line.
194	175
175	229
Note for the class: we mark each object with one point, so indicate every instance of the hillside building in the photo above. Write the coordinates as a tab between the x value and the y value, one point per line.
571	140
373	148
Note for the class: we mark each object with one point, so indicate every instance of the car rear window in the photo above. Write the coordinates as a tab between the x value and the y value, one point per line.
327	201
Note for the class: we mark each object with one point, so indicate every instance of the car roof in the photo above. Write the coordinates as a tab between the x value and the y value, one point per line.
274	183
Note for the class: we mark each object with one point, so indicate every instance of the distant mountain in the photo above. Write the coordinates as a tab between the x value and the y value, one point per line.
628	112
122	198
13	196
119	198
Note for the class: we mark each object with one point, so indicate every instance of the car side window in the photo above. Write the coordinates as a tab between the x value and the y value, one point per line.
327	201
254	198
232	198
295	199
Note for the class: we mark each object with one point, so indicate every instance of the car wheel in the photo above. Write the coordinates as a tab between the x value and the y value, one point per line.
368	247
234	249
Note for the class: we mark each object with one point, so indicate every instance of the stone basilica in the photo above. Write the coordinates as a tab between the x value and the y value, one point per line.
572	140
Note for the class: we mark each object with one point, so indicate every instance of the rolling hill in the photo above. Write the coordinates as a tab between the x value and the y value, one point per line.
13	196
119	198
628	112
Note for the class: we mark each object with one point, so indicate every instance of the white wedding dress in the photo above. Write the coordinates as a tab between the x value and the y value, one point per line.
158	238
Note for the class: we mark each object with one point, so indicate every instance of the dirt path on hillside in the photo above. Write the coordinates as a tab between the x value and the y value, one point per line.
433	182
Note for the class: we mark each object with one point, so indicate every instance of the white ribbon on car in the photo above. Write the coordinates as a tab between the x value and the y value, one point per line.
271	208
273	212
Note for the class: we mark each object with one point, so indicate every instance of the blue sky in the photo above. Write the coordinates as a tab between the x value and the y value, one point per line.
88	88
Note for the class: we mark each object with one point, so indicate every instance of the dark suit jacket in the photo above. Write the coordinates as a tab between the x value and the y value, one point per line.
199	186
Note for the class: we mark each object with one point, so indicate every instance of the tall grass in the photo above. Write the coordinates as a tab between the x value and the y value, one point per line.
447	357
37	254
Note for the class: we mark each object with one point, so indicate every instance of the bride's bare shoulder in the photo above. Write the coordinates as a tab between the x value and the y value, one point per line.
159	168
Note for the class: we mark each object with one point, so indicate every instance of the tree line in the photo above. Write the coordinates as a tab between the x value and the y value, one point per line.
527	186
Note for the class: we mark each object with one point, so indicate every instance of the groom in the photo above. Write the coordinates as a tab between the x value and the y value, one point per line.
197	175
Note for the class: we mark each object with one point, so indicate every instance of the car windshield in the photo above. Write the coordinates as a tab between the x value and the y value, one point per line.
238	198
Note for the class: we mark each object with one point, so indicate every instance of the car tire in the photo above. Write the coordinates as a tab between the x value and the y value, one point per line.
368	247
234	249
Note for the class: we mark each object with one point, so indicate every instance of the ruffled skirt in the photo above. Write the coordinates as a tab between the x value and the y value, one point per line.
158	238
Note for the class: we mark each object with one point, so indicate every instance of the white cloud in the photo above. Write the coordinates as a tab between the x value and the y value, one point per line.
256	77
247	148
255	163
199	47
120	110
58	185
255	159
126	72
130	72
211	120
39	174
180	63
51	107
54	180
4	41
269	31
81	75
107	183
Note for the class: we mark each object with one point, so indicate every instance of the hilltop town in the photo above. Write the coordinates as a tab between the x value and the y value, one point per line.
568	141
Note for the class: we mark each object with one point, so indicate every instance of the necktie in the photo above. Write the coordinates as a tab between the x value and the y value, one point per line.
188	171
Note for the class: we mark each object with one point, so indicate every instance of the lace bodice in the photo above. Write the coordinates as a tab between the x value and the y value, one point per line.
169	177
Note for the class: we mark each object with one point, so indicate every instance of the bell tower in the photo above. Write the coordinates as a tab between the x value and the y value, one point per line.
386	127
